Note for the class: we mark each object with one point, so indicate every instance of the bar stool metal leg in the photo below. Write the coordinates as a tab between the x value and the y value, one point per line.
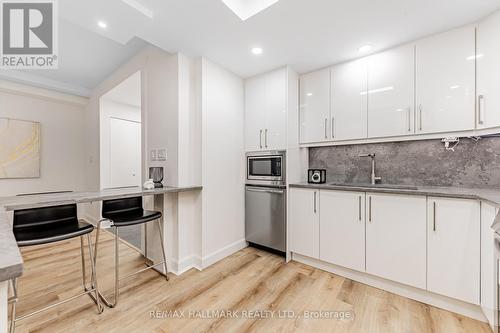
13	300
112	304
84	273
93	278
160	232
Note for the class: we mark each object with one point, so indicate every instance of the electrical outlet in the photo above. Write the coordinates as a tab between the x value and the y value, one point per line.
152	155
162	154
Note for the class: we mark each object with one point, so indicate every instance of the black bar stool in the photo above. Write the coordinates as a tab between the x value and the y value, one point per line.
45	225
123	213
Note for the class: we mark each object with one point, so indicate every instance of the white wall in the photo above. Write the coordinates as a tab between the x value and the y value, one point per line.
223	162
111	109
62	139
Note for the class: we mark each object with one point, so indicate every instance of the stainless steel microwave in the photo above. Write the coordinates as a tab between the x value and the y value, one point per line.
266	168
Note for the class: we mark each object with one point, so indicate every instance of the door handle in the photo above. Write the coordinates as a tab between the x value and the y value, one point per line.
359	208
326	128
260	139
333	127
480	105
315	210
420	116
265	138
409	119
434	216
369	209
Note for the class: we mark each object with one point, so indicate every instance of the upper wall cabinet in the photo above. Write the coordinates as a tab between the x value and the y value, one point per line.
391	92
349	100
266	111
488	72
315	107
445	93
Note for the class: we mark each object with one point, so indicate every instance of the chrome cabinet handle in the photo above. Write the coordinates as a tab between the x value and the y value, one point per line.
265	138
260	139
315	202
480	105
369	208
333	127
434	216
359	208
409	119
420	116
326	128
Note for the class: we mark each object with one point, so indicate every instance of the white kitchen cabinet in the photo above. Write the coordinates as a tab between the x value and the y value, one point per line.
396	238
488	263
304	222
255	112
315	107
342	228
349	101
445	76
266	111
453	248
488	72
391	90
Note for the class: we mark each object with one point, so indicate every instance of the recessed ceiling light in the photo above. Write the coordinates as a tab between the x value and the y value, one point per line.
365	48
309	94
245	9
102	24
257	50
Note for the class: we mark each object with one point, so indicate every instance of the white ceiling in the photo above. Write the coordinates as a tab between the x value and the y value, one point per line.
85	60
306	34
127	92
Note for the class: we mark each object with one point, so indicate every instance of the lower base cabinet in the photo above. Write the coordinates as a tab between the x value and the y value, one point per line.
342	229
431	243
304	222
396	238
453	260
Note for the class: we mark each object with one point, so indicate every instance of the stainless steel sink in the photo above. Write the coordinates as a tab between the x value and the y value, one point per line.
368	185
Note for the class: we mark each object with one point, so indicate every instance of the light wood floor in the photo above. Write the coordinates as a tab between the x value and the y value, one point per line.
249	280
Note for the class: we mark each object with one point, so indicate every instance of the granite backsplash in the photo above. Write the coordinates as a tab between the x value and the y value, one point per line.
424	163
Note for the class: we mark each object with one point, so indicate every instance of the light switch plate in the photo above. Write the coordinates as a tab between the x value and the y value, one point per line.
162	154
152	155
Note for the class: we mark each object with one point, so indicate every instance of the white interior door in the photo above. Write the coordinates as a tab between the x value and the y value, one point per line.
125	153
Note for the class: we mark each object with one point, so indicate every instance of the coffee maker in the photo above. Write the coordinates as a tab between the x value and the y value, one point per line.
156	174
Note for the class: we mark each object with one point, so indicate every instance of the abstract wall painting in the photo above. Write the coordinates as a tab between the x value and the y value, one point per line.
19	148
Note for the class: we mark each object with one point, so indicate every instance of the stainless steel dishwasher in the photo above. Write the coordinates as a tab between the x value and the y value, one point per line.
265	216
265	200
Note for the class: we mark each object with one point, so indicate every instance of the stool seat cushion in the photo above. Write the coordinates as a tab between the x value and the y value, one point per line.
131	217
54	232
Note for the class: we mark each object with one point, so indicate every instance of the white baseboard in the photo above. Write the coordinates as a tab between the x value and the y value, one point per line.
424	296
223	253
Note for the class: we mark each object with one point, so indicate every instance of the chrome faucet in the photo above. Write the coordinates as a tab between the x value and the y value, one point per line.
374	179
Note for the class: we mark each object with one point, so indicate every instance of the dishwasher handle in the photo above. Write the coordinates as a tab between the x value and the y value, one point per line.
265	190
